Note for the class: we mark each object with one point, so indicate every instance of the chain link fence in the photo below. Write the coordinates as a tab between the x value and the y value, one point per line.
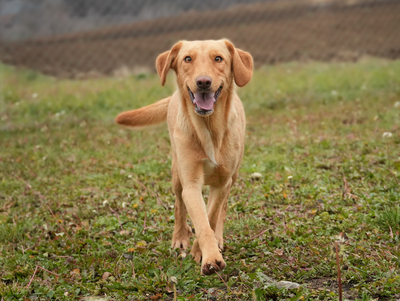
87	38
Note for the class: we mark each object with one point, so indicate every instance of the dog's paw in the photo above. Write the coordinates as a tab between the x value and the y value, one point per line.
181	239
212	264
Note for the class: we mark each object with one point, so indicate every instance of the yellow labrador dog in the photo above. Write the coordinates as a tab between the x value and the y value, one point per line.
206	124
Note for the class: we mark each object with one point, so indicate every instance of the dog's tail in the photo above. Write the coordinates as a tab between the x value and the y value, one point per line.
149	115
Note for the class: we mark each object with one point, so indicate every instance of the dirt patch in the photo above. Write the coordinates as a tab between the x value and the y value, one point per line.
332	285
273	32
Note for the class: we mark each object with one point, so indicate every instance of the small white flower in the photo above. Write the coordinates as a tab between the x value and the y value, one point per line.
66	294
387	135
334	93
34	95
256	176
58	114
130	176
105	202
290	177
95	211
129	195
339	238
123	204
397	104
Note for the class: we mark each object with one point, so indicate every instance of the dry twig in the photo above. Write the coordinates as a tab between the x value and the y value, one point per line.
224	282
338	269
259	234
250	194
34	273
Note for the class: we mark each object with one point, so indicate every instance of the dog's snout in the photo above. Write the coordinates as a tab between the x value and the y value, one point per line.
203	82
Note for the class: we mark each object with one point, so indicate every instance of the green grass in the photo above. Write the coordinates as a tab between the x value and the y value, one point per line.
315	133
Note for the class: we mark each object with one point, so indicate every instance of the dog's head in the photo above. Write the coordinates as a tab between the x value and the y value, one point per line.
205	70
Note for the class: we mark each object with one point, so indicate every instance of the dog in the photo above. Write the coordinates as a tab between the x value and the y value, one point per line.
206	123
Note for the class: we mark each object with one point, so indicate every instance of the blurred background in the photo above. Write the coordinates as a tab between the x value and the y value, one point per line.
90	38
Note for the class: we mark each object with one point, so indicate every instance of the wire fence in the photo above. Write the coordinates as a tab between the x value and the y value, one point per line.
86	38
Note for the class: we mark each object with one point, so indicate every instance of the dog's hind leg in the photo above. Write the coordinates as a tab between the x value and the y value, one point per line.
216	210
182	231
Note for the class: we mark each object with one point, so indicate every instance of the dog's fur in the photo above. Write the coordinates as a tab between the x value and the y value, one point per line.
207	144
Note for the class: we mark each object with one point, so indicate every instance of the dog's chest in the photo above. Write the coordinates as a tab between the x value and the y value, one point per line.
207	144
209	168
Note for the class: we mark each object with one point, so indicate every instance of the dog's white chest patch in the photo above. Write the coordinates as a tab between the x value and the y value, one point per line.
209	147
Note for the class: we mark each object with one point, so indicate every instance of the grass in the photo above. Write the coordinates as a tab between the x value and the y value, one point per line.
71	203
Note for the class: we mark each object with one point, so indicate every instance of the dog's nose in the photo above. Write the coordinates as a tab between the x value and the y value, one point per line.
203	82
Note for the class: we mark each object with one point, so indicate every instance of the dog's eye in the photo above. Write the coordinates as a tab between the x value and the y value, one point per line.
188	59
218	59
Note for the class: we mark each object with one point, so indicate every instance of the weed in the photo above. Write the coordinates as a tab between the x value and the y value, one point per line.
389	218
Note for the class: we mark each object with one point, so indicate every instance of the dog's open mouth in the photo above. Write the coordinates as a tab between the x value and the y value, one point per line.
204	101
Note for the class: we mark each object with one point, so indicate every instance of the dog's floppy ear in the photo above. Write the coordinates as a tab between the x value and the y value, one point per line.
164	61
242	64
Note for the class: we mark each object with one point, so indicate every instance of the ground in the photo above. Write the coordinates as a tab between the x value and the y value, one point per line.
86	206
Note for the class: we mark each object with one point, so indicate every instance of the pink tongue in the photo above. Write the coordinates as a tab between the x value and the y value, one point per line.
204	100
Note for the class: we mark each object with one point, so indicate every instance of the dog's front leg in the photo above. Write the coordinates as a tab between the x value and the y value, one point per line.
206	249
190	167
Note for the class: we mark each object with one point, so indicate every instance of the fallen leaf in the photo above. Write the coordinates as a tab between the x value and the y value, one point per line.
156	297
105	275
141	243
75	273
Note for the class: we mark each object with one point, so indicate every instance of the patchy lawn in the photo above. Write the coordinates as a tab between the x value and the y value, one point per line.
86	207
